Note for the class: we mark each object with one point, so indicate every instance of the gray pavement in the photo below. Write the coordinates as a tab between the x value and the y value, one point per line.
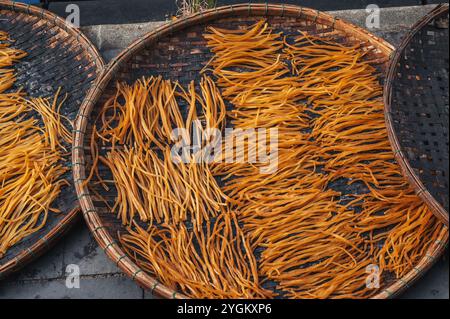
136	11
100	278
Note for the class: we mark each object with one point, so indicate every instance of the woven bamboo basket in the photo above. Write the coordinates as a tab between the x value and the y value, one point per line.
58	56
416	105
178	51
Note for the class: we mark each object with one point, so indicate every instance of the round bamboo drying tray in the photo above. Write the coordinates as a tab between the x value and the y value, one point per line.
177	50
58	56
416	105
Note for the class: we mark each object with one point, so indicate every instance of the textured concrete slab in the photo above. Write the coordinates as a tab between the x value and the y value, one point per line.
82	250
138	11
46	278
394	22
434	285
112	287
48	266
149	295
107	37
391	19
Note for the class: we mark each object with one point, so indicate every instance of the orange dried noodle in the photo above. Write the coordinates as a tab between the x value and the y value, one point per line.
152	188
223	265
30	166
8	56
157	190
315	245
146	104
55	131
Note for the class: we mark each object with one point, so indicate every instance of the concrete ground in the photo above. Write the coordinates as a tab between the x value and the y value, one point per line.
137	11
100	278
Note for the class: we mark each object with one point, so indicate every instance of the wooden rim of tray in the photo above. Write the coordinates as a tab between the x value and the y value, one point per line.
407	170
